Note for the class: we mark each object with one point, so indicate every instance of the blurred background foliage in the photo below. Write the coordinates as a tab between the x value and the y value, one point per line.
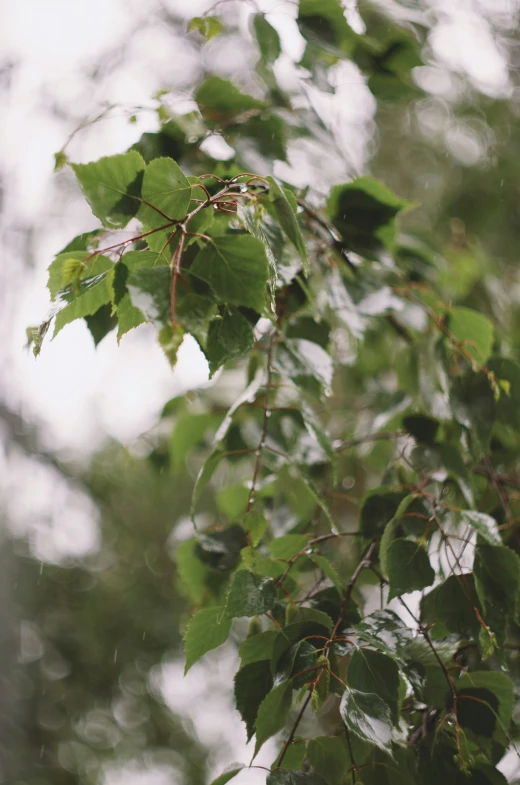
428	101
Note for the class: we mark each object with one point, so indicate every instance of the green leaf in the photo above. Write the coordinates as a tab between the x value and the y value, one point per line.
485	703
95	293
288	545
257	647
421	427
294	757
385	631
253	682
227	776
497	581
236	269
149	290
205	631
329	758
267	39
101	323
286	217
508	405
306	363
229	336
221	549
408	567
299	615
283	777
364	213
166	188
323	23
473	405
377	509
255	525
485	526
112	187
368	717
250	595
474	331
208	27
450	608
128	316
272	713
220	101
373	672
70	268
191	572
326	567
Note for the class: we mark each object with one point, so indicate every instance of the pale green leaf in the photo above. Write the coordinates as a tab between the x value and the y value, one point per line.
205	631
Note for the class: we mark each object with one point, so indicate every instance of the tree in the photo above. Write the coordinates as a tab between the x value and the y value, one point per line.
369	358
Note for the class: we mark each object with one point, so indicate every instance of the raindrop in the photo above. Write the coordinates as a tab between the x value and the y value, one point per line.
243	189
144	636
193	139
42	750
268	412
215	206
115	656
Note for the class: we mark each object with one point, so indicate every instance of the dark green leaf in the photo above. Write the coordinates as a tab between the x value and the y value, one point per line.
112	187
378	508
272	713
257	647
329	758
497	580
485	702
286	217
250	595
283	777
450	607
205	631
253	682
408	567
368	717
101	323
229	336
267	39
294	756
421	427
508	405
364	213
323	23
236	269
473	405
373	672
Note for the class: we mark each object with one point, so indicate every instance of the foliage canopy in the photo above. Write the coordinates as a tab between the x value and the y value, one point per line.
361	355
